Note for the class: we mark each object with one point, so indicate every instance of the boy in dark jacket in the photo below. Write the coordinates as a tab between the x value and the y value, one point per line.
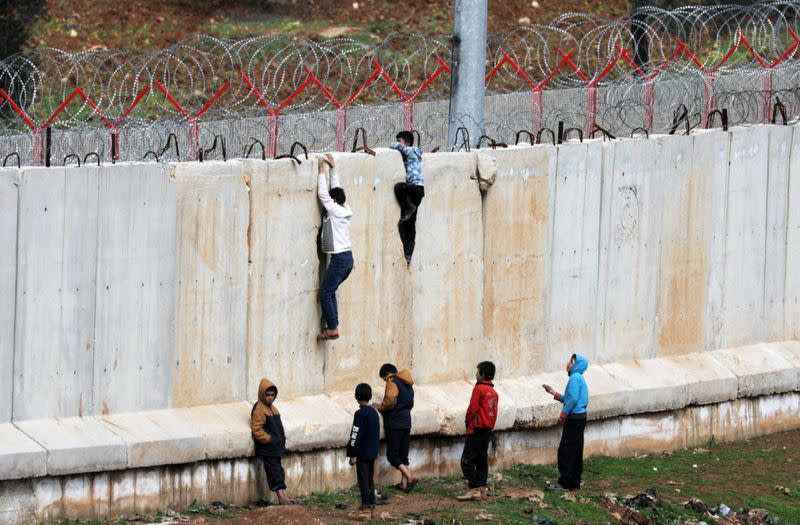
398	400
573	416
267	429
480	420
362	449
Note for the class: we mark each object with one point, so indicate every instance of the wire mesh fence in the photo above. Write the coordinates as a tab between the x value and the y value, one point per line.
655	71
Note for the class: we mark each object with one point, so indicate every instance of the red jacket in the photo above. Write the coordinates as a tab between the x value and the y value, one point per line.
482	410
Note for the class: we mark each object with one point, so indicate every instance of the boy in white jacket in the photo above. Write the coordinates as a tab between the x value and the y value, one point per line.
336	243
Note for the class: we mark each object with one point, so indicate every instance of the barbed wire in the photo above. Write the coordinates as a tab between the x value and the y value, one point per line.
269	91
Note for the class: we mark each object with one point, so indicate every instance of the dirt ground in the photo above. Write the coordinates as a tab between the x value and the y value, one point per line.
760	473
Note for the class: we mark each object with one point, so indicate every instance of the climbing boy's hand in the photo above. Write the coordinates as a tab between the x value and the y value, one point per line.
548	389
352	461
329	160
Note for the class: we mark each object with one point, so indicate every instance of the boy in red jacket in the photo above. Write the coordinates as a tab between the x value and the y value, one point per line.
481	416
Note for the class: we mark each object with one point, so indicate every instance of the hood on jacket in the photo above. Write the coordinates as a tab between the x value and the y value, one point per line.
580	366
402	375
262	390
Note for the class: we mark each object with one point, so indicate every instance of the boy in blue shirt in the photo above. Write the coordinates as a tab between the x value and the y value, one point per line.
362	449
573	416
409	194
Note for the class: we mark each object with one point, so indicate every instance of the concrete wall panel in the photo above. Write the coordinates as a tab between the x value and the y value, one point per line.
680	325
517	215
780	144
448	272
211	318
8	283
56	292
375	301
632	213
710	170
791	303
283	315
572	315
135	321
743	301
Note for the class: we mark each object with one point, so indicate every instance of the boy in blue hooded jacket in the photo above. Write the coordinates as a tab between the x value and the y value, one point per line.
573	416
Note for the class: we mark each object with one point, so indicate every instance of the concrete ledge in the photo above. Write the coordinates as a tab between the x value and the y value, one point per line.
20	456
178	436
450	402
672	383
159	437
226	428
77	444
760	369
313	422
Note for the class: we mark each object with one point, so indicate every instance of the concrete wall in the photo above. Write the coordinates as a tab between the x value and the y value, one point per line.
141	287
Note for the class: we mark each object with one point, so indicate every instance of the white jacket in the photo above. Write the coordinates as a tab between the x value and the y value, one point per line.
336	224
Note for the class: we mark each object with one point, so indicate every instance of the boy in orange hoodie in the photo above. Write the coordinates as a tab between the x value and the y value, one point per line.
267	429
398	400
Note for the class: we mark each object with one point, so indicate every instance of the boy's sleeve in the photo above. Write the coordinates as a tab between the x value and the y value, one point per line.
257	421
570	398
355	436
472	409
389	397
335	178
324	194
405	150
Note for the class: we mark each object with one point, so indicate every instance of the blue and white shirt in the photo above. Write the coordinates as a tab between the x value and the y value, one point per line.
412	160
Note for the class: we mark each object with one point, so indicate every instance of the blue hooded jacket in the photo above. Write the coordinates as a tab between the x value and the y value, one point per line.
576	395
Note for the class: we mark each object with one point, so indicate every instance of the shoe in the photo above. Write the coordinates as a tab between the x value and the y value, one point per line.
471	495
555	487
328	333
411	485
362	515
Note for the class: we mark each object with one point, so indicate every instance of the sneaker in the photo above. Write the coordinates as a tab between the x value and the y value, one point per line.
555	487
328	333
471	495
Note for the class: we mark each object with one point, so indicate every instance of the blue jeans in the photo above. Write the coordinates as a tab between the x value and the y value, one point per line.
339	268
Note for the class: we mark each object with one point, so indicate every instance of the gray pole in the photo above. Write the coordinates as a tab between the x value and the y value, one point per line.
469	70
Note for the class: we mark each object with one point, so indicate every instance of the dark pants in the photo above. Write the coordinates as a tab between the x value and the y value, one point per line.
276	478
409	197
397	444
365	473
339	268
570	452
475	458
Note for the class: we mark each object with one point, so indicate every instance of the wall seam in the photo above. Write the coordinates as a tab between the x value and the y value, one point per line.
786	232
765	258
18	184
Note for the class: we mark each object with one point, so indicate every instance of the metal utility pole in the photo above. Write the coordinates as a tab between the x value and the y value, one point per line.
467	87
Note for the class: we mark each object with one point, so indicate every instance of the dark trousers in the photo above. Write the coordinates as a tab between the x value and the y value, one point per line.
570	452
276	477
397	444
365	473
409	197
475	458
339	268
